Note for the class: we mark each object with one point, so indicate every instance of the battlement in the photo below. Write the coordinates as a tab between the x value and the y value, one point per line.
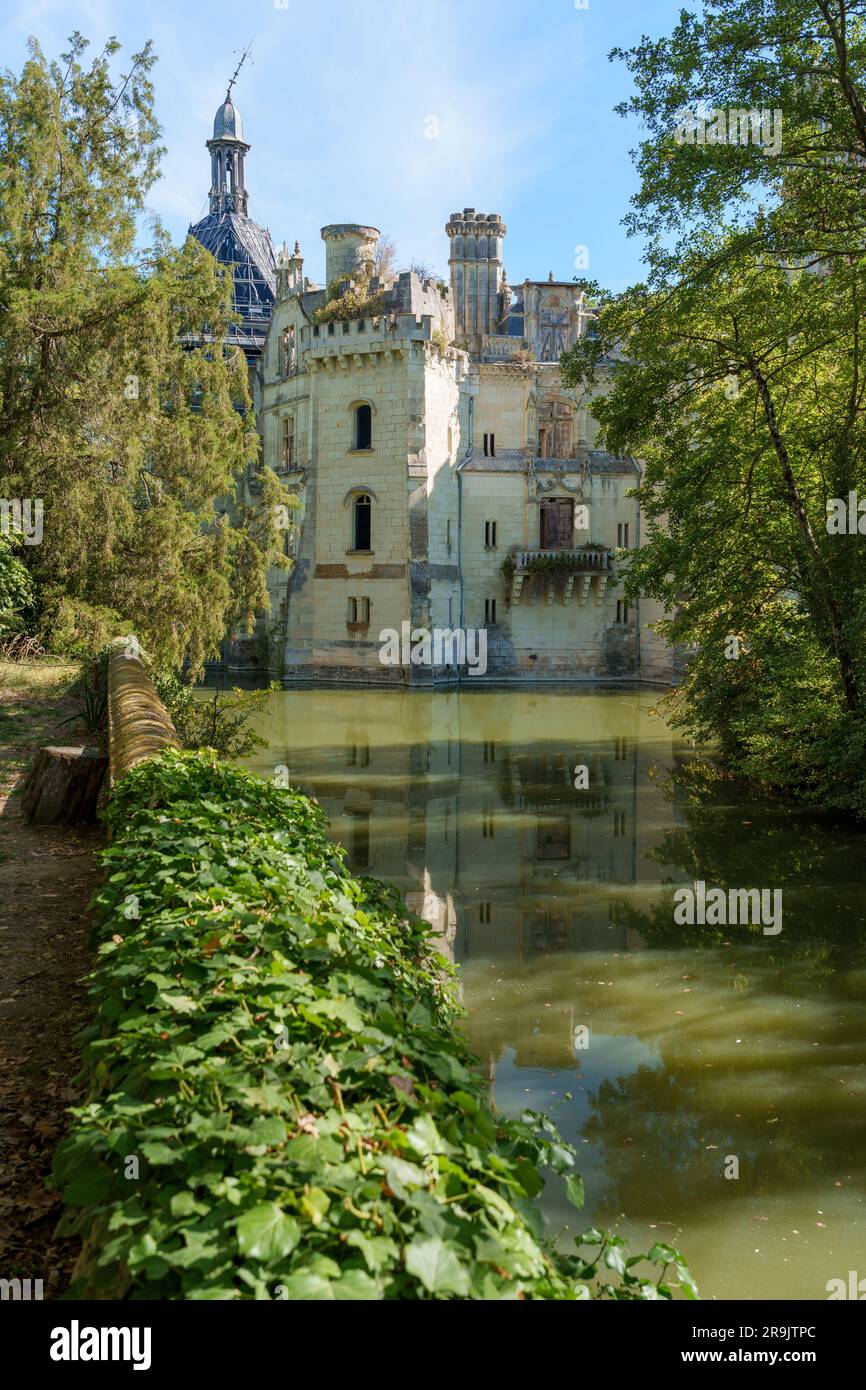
470	223
347	342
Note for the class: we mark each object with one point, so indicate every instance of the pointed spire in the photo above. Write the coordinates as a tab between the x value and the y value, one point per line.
228	151
290	268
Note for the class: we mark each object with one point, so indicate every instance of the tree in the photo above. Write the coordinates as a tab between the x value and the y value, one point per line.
384	256
16	591
129	433
738	376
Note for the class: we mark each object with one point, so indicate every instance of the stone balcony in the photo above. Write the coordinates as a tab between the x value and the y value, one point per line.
559	573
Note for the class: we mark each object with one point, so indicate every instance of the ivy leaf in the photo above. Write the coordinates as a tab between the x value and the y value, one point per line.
686	1279
158	1153
356	1285
437	1267
306	1287
341	1010
266	1233
267	1130
574	1190
181	1003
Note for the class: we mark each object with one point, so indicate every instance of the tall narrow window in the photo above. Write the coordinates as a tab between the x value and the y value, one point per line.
363	509
363	427
287	350
360	821
287	443
359	610
489	446
490	610
490	535
621	611
622	534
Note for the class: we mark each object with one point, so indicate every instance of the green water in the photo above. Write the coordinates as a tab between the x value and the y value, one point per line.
703	1042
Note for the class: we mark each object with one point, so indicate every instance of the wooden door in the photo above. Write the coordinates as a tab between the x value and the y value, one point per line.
557	524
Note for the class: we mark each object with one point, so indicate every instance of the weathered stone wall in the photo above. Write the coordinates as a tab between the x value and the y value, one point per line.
428	563
413	388
139	725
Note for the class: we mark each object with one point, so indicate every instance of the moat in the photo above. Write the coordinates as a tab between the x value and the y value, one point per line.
661	1050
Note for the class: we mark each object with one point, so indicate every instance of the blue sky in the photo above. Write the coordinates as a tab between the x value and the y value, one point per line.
338	100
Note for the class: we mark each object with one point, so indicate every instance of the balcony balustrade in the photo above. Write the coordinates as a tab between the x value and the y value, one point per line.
559	573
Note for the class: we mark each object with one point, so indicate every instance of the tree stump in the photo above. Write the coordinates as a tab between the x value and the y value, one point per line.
63	786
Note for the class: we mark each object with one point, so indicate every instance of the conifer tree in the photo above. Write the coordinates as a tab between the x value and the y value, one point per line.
120	407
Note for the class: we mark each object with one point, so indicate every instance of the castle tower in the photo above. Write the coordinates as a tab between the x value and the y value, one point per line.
476	270
347	246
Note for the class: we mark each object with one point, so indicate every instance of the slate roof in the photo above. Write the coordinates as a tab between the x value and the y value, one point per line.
515	461
227	122
237	241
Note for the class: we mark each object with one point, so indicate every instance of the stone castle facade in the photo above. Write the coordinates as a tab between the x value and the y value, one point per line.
446	479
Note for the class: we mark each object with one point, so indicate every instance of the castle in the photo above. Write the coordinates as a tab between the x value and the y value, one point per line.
446	479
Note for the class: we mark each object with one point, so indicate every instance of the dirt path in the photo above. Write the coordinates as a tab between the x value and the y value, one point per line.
47	877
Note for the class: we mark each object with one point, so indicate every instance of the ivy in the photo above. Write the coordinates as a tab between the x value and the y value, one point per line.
280	1104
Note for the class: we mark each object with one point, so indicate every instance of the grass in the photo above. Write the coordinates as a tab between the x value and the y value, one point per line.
33	697
50	676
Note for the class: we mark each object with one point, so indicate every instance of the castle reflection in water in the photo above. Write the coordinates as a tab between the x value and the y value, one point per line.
467	802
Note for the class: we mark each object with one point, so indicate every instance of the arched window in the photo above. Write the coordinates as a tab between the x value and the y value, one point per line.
363	427
361	514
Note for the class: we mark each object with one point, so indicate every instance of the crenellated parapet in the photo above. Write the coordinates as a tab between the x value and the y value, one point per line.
345	344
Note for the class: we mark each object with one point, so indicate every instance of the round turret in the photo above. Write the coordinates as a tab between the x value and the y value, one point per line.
347	246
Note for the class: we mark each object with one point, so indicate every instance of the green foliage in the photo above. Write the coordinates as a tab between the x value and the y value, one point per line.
737	374
112	409
275	1044
91	708
217	720
89	696
16	592
351	298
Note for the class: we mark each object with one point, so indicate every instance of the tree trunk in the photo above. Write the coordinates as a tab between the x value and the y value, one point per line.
63	786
